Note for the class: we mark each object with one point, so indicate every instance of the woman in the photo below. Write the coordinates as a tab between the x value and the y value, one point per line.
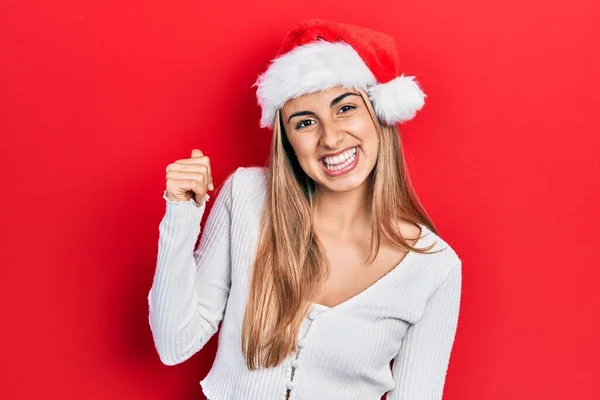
323	268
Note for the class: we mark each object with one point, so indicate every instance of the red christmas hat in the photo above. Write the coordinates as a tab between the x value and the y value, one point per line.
317	55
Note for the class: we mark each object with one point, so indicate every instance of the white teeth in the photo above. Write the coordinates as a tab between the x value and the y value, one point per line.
342	161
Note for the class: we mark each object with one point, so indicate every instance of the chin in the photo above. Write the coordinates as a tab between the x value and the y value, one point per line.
347	186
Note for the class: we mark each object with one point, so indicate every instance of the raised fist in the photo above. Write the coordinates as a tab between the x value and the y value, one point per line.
189	177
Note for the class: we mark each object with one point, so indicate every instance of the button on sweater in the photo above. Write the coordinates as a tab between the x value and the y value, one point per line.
408	316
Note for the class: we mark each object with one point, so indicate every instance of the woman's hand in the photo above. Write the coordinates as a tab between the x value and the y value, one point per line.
189	177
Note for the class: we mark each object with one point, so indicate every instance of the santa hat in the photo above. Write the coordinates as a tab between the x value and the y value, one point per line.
317	55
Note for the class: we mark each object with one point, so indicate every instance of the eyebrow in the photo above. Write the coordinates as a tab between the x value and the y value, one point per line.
333	103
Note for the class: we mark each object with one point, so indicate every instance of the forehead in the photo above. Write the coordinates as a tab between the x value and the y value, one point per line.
316	100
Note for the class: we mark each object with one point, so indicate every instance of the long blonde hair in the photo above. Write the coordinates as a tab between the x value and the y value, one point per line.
291	263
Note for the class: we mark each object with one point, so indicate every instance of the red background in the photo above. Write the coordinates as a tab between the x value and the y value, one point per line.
98	97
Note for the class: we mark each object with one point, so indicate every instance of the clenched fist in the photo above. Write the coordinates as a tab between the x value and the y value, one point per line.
189	177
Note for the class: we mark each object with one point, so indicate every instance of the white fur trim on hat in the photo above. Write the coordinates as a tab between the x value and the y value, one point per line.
322	65
316	66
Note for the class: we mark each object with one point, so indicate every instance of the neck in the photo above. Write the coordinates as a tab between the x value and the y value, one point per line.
342	213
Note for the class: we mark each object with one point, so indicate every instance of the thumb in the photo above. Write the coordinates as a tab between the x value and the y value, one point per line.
196	153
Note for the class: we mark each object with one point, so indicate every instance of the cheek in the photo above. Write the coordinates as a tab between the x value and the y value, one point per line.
303	147
365	131
306	160
362	125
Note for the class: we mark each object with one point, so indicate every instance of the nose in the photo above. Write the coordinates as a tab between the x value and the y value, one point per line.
331	136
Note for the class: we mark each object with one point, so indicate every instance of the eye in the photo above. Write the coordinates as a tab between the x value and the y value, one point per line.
346	107
301	125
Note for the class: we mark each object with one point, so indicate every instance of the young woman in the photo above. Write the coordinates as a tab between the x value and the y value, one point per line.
323	268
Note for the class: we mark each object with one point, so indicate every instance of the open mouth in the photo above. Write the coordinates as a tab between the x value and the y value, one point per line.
341	163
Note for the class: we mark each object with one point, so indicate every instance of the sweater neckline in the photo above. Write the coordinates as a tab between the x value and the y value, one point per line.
319	308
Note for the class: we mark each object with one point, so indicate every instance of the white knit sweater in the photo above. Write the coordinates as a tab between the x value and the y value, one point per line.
343	353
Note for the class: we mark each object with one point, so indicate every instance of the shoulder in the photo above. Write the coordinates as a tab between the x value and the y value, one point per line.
247	183
442	260
251	174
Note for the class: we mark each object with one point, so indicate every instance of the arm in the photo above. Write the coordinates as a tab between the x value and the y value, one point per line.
420	367
190	287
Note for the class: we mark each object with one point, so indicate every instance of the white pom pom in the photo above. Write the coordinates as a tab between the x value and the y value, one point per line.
397	100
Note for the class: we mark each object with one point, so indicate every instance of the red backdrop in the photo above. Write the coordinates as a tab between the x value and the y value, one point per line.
98	97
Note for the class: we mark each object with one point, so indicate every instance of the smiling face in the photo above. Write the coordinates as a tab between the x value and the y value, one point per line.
333	136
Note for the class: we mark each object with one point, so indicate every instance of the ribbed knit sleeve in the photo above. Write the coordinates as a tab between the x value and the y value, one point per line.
420	367
190	287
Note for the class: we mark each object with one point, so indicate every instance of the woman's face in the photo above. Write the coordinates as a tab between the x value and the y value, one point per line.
333	136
